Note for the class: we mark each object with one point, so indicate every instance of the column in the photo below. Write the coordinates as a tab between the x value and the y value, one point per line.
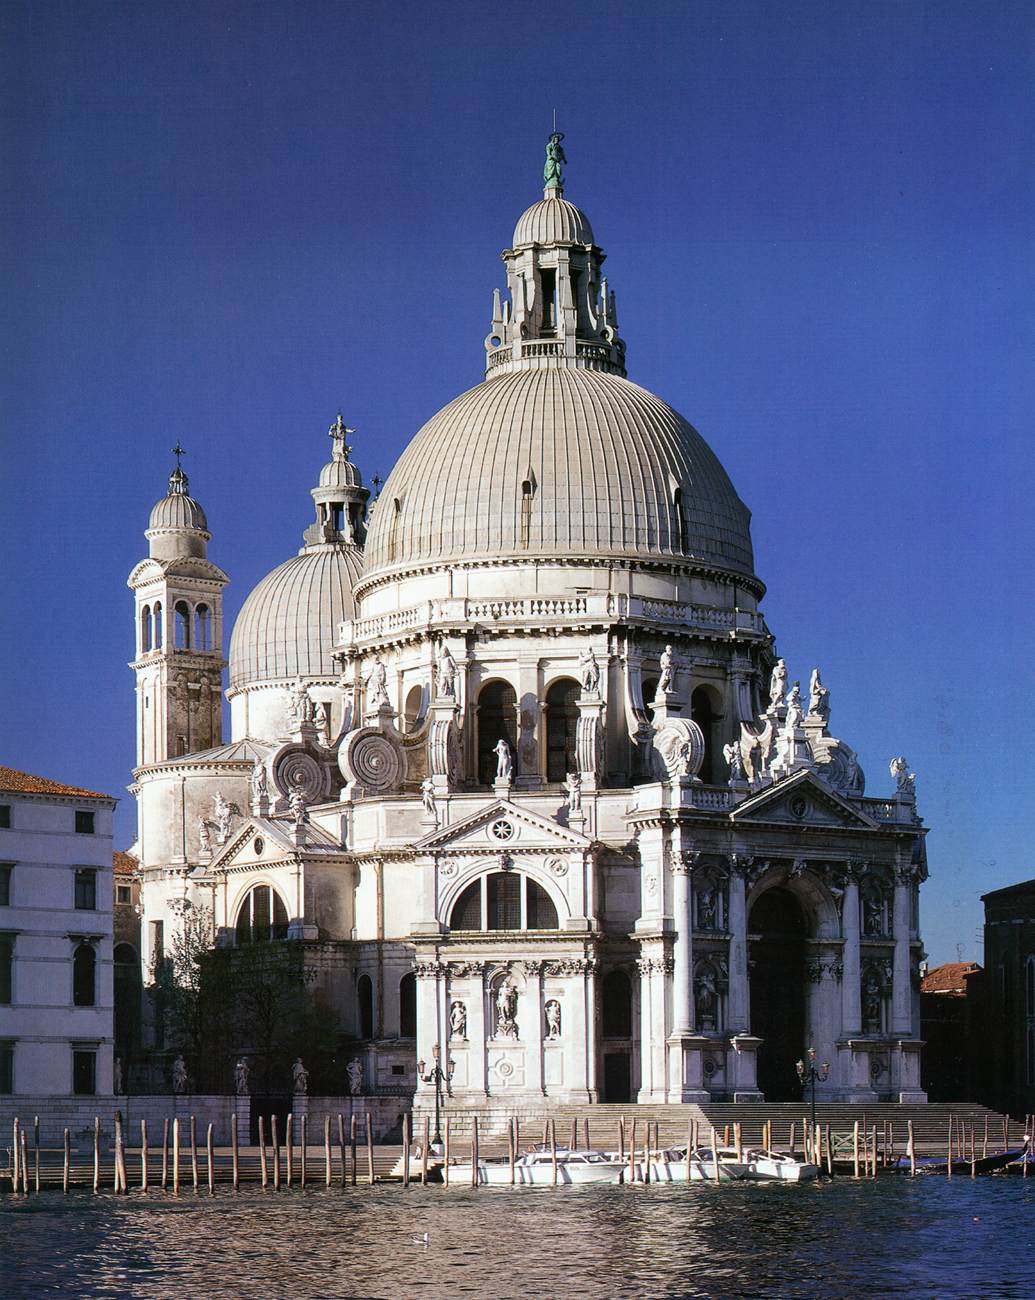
428	1027
652	1023
592	1040
851	999
738	995
901	993
682	975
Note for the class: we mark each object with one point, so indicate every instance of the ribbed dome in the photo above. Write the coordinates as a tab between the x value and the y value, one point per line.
340	473
289	623
178	509
551	220
612	469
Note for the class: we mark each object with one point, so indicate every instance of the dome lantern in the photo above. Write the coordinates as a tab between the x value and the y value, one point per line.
177	527
559	309
340	495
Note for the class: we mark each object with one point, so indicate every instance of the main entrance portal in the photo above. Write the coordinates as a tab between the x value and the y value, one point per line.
778	991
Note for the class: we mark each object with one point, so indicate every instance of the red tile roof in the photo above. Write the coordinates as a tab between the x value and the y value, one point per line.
948	978
26	783
124	863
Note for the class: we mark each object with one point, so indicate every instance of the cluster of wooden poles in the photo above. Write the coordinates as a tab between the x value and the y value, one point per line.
870	1145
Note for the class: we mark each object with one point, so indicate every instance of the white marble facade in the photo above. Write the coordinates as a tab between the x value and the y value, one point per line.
668	882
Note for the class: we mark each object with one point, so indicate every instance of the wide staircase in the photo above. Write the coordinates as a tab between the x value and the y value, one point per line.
930	1122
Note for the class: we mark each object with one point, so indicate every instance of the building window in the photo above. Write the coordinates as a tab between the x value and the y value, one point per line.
504	900
408	1006
6	1069
562	723
84	976
85	889
365	998
414	708
146	640
83	822
157	945
5	884
5	816
158	625
616	1005
262	916
123	893
6	969
84	1071
497	720
702	711
181	625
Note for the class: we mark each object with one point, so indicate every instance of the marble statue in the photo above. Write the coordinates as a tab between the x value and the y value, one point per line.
777	683
905	780
707	910
204	835
685	759
260	784
819	698
871	1000
223	813
299	1078
116	1076
377	685
301	705
322	717
574	789
446	674
590	672
553	1019
735	760
297	806
794	710
457	1020
354	1070
706	1000
241	1078
506	1010
179	1076
873	914
553	177
667	680
427	795
504	762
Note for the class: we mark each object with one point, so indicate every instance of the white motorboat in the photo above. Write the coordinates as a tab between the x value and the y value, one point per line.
671	1166
769	1165
536	1168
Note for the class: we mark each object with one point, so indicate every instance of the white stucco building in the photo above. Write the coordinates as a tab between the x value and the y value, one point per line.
56	1017
514	755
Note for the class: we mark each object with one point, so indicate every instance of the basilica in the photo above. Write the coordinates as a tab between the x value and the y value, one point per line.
514	761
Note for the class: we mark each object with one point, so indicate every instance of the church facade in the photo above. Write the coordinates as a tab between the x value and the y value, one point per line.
513	757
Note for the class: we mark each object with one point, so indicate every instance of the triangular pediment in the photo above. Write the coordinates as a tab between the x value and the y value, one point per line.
486	829
258	841
802	800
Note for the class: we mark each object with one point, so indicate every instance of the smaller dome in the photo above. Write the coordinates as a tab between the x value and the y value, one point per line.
340	474
553	220
178	509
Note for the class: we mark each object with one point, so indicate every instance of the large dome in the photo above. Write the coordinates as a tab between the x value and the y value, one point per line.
558	462
289	623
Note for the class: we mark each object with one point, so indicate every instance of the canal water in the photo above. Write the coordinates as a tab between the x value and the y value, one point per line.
919	1238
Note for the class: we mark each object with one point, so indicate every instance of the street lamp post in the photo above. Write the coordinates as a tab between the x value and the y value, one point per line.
810	1074
437	1076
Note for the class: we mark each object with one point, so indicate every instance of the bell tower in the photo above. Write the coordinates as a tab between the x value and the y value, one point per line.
179	630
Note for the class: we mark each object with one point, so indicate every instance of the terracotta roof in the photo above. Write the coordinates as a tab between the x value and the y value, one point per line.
125	864
948	978
26	783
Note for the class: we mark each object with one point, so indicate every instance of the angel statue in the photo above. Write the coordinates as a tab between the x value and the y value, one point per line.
777	683
553	178
574	792
905	780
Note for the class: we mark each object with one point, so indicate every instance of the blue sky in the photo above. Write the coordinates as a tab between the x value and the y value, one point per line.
222	221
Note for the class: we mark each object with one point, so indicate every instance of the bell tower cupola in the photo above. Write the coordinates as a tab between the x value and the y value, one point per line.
179	630
341	498
558	308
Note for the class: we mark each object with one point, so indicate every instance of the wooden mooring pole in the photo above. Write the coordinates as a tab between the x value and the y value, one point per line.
165	1153
15	1154
327	1150
36	1149
632	1153
263	1171
289	1150
474	1150
341	1145
210	1161
553	1152
143	1155
275	1142
234	1153
445	1155
948	1162
911	1148
194	1150
370	1149
119	1176
96	1154
425	1143
510	1149
352	1143
406	1148
302	1156
176	1153
25	1164
67	1167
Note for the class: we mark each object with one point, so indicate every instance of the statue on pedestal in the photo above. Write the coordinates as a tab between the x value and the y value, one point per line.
179	1076
299	1078
794	711
504	762
260	783
354	1070
735	760
819	698
777	684
667	680
506	1010
553	1019
574	791
590	672
905	780
241	1078
446	674
377	685
427	796
458	1020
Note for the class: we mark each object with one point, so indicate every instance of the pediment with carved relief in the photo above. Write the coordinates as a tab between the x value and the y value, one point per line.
802	800
502	827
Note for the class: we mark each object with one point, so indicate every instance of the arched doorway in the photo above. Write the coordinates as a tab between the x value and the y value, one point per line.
777	982
616	1025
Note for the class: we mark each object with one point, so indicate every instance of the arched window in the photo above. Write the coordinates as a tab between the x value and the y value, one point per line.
527	493
616	1005
84	976
127	995
365	999
413	710
158	625
181	612
649	687
262	916
680	539
702	711
497	720
562	721
146	634
202	628
393	529
408	1006
504	900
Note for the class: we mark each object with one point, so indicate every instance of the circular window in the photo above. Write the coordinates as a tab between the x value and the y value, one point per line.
799	807
502	829
258	845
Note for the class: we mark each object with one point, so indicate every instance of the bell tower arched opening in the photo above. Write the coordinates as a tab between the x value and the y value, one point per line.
778	930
